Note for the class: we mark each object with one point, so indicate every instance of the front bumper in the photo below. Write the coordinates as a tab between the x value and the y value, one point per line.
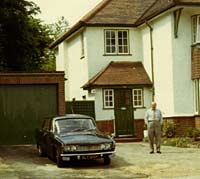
101	154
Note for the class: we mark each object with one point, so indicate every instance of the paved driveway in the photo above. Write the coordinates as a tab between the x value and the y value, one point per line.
132	161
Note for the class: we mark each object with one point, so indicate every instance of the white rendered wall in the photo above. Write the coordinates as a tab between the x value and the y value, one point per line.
139	113
183	85
97	60
76	69
108	114
102	114
162	54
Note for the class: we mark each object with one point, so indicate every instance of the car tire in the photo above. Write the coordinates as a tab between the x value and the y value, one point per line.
106	160
41	151
59	160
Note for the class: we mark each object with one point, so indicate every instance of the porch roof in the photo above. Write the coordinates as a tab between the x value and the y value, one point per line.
120	74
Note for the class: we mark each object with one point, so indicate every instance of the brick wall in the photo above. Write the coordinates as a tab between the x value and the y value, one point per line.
139	128
197	122
195	62
106	127
56	78
182	124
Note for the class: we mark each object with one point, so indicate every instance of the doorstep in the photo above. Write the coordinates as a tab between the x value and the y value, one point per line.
127	139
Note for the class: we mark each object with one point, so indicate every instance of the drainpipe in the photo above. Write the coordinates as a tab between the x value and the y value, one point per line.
152	59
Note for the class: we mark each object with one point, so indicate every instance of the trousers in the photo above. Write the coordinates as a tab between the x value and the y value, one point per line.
154	133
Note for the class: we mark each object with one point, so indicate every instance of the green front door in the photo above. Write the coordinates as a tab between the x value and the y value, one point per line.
123	112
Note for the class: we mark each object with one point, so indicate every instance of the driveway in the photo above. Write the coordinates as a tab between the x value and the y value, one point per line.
132	161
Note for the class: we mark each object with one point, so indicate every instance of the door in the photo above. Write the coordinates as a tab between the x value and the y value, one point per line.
22	109
123	112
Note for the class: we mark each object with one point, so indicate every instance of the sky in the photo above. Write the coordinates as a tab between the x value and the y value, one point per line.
72	10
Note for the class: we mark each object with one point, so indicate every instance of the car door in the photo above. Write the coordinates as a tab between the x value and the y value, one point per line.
44	136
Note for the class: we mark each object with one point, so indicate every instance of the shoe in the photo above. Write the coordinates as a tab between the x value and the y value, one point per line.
151	152
159	152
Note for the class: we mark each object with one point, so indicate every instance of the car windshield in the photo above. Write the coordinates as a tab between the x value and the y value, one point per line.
74	125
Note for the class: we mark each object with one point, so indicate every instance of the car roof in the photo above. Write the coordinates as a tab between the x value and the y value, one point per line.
72	116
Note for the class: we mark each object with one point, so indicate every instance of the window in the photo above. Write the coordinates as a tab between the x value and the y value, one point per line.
138	98
108	96
82	46
116	42
197	96
196	29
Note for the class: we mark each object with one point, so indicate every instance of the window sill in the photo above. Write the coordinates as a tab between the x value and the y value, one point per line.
111	108
117	54
142	107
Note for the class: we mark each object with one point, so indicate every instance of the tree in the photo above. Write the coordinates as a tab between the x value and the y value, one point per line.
59	27
24	39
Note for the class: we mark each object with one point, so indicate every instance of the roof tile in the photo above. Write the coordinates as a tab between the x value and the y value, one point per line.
120	73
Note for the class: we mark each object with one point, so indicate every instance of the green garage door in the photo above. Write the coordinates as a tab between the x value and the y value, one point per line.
22	108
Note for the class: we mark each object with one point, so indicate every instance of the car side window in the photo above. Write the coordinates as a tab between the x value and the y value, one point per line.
47	125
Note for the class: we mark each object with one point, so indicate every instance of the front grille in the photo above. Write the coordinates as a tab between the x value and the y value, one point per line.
83	148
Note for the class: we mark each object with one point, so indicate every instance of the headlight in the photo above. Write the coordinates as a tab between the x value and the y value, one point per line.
70	148
106	146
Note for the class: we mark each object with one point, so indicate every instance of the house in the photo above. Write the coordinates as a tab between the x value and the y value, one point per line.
126	53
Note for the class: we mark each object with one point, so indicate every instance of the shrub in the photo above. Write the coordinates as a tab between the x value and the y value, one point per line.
169	130
192	133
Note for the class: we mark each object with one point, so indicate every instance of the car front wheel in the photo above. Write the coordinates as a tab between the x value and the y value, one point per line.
59	160
106	160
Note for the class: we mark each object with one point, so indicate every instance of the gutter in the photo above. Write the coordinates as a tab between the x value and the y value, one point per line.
152	59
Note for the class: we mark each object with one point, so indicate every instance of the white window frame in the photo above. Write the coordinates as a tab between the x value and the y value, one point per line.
142	98
196	29
116	45
105	101
82	46
197	96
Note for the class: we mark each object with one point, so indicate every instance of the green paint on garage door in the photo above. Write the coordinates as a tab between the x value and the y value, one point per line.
22	108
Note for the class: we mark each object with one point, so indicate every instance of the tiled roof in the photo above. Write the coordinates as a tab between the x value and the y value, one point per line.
128	13
112	13
160	6
120	73
120	12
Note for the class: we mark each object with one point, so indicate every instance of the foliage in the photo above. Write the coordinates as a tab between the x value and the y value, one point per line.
169	129
24	40
192	133
180	142
59	27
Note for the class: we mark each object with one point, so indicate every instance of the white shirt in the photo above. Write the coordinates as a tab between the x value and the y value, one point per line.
152	115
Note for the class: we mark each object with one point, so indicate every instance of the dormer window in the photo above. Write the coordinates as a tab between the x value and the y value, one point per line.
116	42
196	29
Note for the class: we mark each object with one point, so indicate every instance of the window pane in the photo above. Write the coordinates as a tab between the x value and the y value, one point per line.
198	33
120	34
126	49
194	28
120	49
119	41
125	34
110	92
108	49
112	34
107	34
113	41
113	49
108	42
125	41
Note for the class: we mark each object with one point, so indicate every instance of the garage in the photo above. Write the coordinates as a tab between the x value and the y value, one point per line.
25	101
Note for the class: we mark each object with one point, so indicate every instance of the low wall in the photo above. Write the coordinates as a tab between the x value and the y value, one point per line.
182	124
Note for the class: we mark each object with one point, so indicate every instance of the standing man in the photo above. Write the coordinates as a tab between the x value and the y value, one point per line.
154	120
